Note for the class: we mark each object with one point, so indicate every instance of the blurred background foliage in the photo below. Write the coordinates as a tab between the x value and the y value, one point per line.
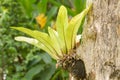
20	61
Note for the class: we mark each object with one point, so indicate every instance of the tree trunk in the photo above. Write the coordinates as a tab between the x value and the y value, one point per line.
0	74
100	47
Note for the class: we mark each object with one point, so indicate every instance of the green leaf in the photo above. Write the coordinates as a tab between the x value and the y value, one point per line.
46	58
41	37
79	5
36	43
61	25
73	27
42	5
28	8
51	13
48	72
54	36
33	71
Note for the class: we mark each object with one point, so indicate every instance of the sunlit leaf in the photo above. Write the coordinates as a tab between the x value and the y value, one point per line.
41	37
35	43
73	27
54	36
61	25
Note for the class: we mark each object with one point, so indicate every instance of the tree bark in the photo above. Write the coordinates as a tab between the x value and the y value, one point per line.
100	47
0	74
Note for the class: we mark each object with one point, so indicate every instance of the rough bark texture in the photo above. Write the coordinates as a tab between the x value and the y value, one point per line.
100	48
0	74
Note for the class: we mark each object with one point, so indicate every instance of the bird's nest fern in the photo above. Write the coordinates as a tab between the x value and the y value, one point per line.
59	43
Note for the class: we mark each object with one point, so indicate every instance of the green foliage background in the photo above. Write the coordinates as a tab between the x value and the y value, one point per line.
20	61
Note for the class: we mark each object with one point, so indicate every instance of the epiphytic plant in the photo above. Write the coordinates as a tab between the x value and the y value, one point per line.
59	43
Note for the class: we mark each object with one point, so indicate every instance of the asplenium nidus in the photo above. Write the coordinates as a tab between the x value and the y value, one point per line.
59	43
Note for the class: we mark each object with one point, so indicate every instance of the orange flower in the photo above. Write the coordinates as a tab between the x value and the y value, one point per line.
41	20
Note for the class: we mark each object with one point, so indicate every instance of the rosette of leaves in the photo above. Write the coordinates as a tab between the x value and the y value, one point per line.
59	43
